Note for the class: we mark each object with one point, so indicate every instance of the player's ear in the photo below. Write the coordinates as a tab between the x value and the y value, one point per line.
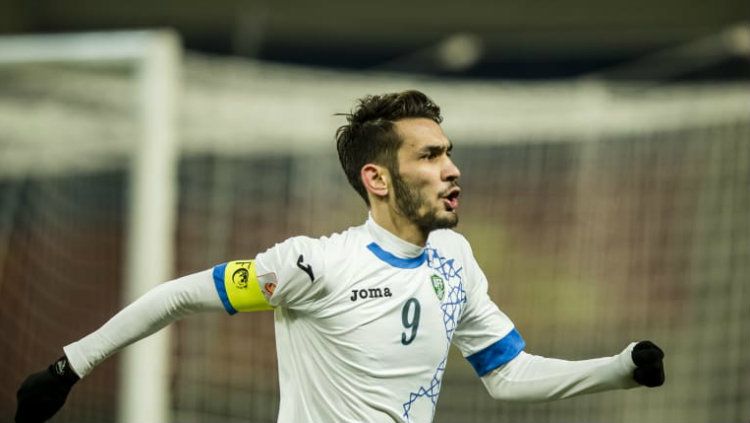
376	179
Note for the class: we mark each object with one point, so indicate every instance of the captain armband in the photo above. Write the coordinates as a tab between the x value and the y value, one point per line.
241	289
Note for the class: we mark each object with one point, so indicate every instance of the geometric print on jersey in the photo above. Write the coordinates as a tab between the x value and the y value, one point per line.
452	306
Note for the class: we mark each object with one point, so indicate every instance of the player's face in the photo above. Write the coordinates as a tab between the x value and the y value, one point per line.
426	183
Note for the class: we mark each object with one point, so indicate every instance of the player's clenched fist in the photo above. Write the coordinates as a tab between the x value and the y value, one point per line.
650	368
42	394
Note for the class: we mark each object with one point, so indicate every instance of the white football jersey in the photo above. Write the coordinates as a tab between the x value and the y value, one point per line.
364	322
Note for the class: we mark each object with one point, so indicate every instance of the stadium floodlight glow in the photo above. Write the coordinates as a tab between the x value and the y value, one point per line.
155	58
460	52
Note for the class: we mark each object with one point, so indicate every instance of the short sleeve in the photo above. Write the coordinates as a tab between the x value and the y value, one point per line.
485	336
298	267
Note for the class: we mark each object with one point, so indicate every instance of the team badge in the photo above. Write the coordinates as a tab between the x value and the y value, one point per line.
438	286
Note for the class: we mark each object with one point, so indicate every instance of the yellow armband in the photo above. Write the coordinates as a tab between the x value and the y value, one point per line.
240	288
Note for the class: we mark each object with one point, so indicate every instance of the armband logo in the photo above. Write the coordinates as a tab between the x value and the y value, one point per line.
240	278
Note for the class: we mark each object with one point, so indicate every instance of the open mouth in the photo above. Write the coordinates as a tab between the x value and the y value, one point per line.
451	199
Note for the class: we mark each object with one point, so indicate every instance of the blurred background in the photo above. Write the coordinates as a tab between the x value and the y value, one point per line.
605	156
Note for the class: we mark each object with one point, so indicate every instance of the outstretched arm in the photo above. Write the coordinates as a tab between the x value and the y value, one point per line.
156	309
42	394
533	378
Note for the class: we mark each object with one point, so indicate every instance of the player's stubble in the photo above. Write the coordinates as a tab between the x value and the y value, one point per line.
411	201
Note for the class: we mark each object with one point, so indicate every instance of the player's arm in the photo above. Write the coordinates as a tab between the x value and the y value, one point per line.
245	285
159	307
42	394
493	346
533	378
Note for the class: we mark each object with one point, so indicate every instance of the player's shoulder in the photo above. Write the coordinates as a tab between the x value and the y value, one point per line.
452	249
332	243
304	255
449	240
450	245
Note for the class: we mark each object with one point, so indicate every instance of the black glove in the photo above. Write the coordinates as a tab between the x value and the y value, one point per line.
649	367
42	394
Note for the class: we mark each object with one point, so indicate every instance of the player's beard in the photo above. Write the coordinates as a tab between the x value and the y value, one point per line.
410	202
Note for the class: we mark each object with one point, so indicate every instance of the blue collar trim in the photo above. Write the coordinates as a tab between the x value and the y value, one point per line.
403	263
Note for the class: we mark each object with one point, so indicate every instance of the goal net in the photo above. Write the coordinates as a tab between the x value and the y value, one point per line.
600	213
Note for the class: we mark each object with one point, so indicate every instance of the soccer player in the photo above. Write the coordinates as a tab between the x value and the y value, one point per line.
364	318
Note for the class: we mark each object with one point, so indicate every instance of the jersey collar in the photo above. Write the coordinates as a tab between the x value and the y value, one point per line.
392	249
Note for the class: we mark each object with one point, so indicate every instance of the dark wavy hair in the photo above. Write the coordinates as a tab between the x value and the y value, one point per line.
369	135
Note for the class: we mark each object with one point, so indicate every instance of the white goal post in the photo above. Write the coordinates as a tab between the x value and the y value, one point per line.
155	57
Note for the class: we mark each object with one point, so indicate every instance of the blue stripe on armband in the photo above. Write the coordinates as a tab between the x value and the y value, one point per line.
498	353
221	289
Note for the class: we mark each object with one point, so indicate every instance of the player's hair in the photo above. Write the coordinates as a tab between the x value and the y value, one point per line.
370	136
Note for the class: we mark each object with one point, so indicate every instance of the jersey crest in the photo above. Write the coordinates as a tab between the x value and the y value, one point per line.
439	286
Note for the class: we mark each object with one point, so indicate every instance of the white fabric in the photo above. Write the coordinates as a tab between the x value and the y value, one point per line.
151	312
342	358
532	378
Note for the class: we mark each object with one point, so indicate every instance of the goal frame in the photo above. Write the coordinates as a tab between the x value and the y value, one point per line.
155	57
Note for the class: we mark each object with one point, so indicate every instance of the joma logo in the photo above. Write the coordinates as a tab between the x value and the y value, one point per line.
370	293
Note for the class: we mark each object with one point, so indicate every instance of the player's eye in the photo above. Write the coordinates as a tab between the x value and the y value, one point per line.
432	154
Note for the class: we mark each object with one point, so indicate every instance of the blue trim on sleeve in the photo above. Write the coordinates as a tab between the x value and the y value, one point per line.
221	289
498	353
403	263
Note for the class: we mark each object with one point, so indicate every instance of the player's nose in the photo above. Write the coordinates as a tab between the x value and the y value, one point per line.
451	171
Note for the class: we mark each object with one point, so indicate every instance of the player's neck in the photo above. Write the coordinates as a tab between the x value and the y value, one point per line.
398	225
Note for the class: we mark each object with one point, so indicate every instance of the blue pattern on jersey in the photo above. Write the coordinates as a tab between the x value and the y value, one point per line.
451	306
